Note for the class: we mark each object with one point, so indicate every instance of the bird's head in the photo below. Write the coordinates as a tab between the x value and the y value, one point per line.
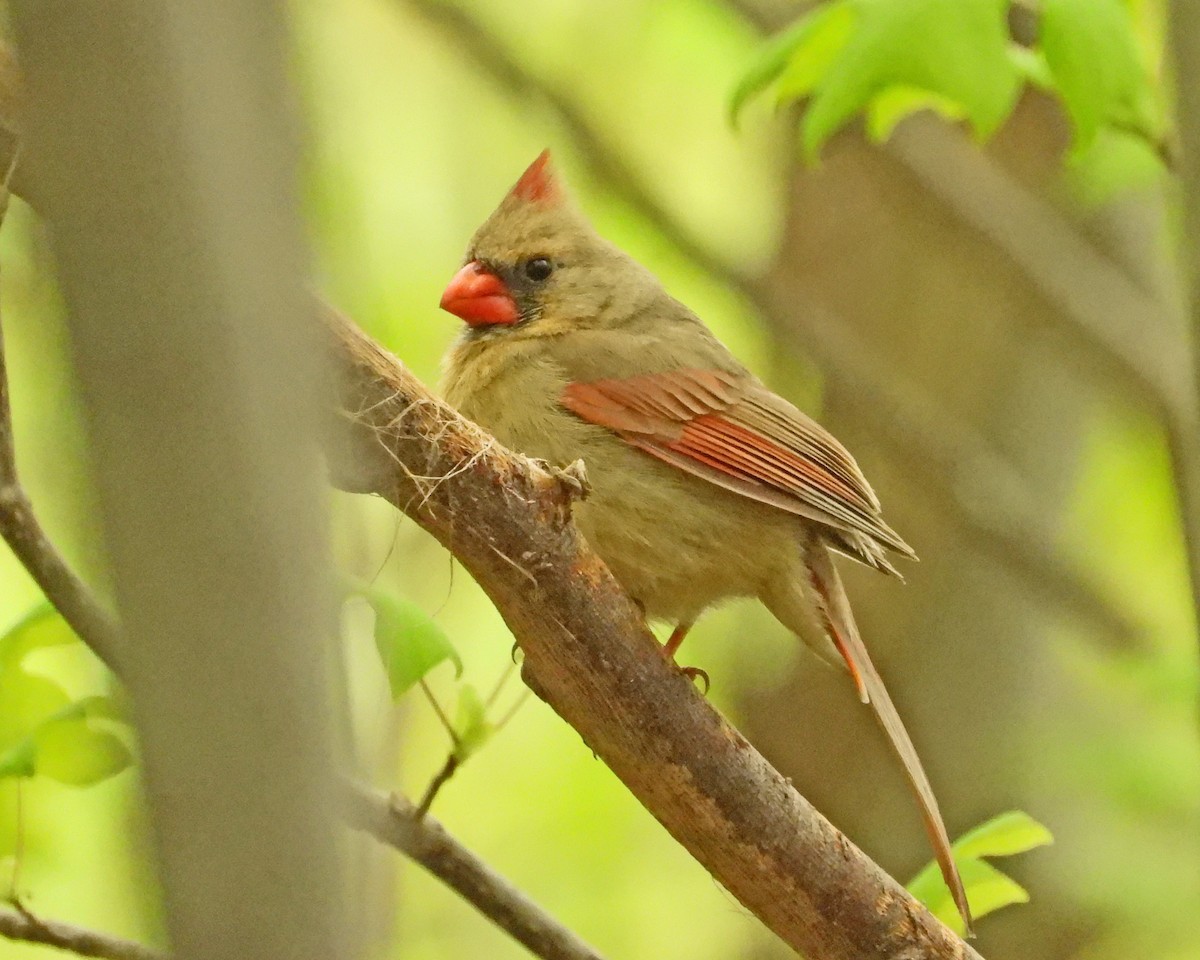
536	263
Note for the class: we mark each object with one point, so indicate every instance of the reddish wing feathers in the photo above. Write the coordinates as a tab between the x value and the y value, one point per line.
739	436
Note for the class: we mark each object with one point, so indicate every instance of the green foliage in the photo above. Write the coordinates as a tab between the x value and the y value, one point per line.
891	57
887	59
42	730
804	51
409	642
987	888
472	729
1093	59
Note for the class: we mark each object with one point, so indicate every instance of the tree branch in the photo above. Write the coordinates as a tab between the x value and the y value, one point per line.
24	535
590	656
397	823
18	524
987	504
23	926
1127	333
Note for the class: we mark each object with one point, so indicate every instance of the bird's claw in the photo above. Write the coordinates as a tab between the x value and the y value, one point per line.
694	674
574	477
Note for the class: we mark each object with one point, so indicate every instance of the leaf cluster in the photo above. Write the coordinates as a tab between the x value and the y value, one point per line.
884	60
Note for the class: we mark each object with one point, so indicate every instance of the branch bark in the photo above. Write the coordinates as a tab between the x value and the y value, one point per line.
396	822
25	927
508	522
24	535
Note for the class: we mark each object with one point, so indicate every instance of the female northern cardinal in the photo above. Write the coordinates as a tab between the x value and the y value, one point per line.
704	484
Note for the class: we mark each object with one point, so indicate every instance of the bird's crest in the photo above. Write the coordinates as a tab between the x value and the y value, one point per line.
539	184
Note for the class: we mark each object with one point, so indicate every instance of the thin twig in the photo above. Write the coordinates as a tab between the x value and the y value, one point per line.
437	709
449	768
398	824
511	712
24	534
18	854
457	757
20	925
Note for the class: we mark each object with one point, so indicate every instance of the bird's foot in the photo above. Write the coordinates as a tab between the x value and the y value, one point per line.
694	674
671	647
574	478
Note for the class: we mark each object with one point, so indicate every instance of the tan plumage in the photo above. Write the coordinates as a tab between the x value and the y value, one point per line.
704	484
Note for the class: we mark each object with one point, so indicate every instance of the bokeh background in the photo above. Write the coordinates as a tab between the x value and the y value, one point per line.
934	302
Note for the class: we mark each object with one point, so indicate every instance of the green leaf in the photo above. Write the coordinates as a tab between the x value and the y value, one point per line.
830	29
19	760
780	52
1003	836
1115	162
409	642
896	103
42	731
27	699
955	49
988	889
1031	65
68	747
73	751
471	726
42	626
1091	51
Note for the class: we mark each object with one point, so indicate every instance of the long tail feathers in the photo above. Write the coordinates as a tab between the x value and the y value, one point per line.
844	633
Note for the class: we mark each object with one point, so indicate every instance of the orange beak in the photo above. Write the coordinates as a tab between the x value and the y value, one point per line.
479	297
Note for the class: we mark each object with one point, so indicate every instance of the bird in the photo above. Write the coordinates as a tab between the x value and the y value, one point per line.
704	484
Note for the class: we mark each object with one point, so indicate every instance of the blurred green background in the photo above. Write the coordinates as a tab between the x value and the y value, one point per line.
418	117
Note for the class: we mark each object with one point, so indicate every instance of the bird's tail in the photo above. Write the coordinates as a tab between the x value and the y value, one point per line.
806	609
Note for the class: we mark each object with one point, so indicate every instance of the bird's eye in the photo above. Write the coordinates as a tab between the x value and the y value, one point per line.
538	269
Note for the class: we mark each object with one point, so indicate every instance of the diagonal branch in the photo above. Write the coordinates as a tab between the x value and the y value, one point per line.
397	823
989	505
19	525
589	655
25	927
24	535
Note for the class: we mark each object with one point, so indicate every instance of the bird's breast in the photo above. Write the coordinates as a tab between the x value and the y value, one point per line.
677	543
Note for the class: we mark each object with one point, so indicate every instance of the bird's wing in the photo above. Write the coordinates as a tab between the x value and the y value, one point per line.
732	431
